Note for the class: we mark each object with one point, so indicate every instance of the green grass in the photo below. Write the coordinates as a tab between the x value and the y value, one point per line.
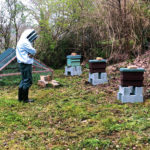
75	116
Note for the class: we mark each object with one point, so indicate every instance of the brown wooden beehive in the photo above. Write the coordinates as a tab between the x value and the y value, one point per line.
132	77
97	66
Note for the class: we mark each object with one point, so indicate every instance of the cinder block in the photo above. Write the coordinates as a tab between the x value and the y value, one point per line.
93	75
66	71
97	78
125	90
119	96
130	94
132	99
73	71
139	90
79	70
104	75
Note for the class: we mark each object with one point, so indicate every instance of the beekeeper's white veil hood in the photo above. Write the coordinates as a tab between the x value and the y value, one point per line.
29	34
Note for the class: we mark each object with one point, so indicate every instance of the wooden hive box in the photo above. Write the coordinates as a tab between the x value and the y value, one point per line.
73	60
132	77
96	66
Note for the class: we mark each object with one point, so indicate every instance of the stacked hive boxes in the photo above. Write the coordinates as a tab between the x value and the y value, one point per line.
73	65
131	88
97	73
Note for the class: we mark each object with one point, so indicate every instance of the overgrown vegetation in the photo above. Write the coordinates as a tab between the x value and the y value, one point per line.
113	29
73	116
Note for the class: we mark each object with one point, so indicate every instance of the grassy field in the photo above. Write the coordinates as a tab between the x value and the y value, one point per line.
74	116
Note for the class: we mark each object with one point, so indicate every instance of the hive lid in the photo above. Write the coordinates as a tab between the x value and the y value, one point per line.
76	56
132	70
94	60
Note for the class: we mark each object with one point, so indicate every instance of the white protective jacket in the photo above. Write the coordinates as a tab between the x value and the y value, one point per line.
24	48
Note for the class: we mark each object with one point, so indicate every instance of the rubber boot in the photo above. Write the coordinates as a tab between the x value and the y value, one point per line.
20	94
26	99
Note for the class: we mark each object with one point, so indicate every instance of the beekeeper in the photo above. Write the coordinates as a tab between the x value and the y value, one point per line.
25	53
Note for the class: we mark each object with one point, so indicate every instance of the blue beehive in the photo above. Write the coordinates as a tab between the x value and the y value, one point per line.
73	60
73	65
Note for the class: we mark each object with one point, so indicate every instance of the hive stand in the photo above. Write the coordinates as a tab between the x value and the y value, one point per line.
73	71
97	73
73	65
131	88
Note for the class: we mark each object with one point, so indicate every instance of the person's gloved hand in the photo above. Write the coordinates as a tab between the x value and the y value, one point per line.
30	55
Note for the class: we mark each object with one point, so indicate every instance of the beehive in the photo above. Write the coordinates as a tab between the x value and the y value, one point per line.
131	88
73	60
97	66
132	77
73	67
97	71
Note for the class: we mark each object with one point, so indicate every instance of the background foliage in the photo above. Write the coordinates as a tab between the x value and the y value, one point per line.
113	29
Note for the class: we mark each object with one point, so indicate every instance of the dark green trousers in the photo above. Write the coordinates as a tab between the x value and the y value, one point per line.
26	72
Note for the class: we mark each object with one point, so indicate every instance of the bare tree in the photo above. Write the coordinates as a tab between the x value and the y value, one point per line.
13	16
5	27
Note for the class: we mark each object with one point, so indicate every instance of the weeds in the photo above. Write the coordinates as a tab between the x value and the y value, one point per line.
74	116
